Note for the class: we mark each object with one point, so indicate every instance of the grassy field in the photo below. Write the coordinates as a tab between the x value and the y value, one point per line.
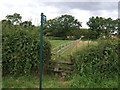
56	43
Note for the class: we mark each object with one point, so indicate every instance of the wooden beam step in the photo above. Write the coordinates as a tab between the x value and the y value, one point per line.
61	62
62	67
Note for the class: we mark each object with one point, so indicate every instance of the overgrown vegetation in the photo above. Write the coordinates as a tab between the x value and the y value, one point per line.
20	50
79	81
97	63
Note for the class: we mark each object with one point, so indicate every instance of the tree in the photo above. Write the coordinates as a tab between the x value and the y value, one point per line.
117	26
99	26
62	26
95	26
26	24
6	24
15	18
84	32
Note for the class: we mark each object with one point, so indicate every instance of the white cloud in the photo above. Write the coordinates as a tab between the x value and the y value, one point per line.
80	0
113	14
31	10
28	9
81	15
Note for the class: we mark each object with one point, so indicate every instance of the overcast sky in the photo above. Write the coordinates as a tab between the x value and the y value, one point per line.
31	9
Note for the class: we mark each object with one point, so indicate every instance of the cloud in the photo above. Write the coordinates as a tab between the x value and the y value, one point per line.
81	15
31	10
92	6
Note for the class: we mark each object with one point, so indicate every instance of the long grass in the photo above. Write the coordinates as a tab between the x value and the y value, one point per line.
20	82
48	81
86	82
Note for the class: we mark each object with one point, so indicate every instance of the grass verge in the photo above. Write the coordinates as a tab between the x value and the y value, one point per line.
33	82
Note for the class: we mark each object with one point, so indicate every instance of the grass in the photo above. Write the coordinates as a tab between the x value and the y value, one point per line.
33	82
56	43
49	81
20	82
86	82
84	44
79	46
70	50
54	82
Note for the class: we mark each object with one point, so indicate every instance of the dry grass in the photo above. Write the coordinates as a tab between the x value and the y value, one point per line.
83	44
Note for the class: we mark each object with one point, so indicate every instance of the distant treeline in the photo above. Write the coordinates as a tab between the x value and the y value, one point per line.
66	25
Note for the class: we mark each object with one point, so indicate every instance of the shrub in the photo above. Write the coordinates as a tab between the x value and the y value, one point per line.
20	51
87	82
55	38
98	61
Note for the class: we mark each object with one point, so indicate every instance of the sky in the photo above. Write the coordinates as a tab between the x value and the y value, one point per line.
31	9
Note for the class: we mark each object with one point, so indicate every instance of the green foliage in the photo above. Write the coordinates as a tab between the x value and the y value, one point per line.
26	24
82	32
98	61
55	38
15	18
62	26
20	50
99	26
87	82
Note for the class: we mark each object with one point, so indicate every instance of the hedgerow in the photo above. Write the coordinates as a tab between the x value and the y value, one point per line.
20	51
98	61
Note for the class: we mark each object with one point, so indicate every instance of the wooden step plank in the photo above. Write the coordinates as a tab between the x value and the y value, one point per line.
61	62
53	54
60	71
62	67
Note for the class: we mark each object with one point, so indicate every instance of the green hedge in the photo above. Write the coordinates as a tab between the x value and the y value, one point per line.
98	61
20	51
55	38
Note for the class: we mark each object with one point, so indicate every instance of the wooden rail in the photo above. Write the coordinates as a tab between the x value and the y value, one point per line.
64	47
53	54
61	62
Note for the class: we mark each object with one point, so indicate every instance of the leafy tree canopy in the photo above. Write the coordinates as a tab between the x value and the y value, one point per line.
62	26
15	18
99	26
